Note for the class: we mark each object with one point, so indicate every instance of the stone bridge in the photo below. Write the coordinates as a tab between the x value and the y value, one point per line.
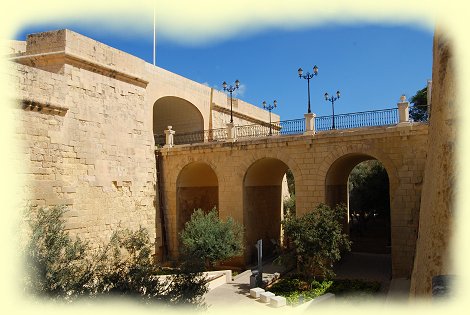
243	180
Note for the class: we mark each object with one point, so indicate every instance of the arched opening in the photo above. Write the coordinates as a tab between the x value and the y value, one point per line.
265	188
361	183
371	246
369	208
196	188
183	116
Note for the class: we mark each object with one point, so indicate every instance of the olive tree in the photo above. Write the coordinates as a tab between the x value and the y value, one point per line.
316	241
208	239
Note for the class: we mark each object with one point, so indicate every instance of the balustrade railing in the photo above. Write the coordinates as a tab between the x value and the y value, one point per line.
382	117
194	137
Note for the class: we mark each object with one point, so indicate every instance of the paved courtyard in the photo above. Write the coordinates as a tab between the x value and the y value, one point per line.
376	267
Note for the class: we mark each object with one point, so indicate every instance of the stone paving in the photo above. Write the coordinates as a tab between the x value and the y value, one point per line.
236	295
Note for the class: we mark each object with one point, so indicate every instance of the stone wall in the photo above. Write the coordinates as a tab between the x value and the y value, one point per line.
437	206
92	153
86	129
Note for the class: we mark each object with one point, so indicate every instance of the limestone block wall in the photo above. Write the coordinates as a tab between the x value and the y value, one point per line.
14	46
95	156
401	149
436	221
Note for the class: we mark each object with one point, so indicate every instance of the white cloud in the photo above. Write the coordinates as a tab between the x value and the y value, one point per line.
240	92
205	21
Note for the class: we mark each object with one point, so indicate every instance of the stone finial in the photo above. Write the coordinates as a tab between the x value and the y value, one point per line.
403	110
169	142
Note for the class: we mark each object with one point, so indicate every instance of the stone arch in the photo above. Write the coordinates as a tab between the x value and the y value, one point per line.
247	163
335	172
177	112
360	150
262	204
197	187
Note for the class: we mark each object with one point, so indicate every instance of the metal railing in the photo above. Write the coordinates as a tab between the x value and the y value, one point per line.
292	127
384	117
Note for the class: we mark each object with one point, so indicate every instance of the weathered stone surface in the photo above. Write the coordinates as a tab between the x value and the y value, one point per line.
436	217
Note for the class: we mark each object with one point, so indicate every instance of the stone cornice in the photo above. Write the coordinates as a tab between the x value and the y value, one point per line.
81	62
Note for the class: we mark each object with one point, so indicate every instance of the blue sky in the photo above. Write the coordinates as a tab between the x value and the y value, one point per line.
371	64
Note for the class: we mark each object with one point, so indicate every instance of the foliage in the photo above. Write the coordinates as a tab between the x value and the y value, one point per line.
316	240
208	239
419	110
289	203
297	289
290	182
57	266
289	206
347	286
62	268
369	191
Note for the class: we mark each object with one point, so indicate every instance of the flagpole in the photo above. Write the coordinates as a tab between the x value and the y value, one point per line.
154	34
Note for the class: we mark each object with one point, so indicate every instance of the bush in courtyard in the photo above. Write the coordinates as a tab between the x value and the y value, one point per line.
208	239
60	267
316	240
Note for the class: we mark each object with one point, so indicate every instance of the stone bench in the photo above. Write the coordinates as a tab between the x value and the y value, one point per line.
277	301
266	296
255	292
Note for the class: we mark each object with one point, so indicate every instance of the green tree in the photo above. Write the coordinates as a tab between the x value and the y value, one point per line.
289	206
60	267
208	239
369	191
290	182
419	110
57	266
316	241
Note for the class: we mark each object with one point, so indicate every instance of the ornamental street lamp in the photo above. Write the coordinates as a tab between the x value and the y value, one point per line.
231	89
308	76
270	108
332	100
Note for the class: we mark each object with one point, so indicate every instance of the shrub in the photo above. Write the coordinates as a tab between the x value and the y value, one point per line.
62	268
208	239
316	241
296	290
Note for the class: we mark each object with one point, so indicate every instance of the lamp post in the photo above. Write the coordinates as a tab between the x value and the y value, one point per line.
231	89
308	76
332	100
270	108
